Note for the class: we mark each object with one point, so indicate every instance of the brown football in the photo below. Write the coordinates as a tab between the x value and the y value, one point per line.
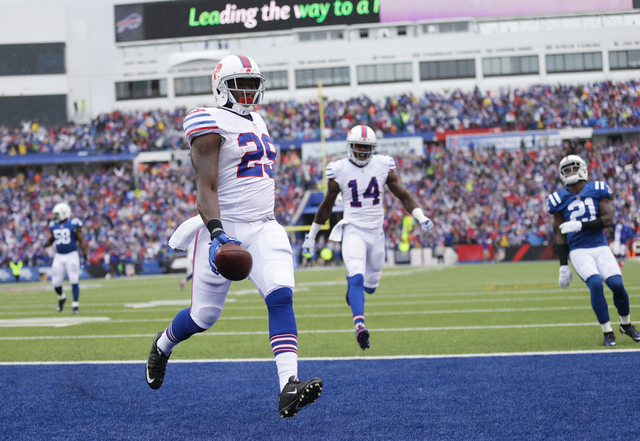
234	262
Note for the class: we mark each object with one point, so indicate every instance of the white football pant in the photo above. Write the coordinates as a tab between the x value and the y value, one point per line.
363	253
272	256
69	263
591	261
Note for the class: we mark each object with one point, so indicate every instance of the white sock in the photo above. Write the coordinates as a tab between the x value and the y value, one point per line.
287	364
165	345
75	304
625	320
606	327
62	296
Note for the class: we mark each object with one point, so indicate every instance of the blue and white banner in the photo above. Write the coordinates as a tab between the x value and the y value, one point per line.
400	146
506	141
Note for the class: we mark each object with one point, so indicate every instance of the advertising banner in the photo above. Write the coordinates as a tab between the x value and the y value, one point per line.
506	141
193	18
400	146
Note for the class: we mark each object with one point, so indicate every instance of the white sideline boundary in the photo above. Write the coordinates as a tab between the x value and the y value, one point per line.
363	358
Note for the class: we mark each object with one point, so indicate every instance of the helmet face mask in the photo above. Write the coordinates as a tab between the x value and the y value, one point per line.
573	169
237	84
361	143
61	212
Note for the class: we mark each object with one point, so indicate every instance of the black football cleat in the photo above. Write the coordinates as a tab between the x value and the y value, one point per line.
362	336
631	331
75	309
156	365
296	394
61	302
609	339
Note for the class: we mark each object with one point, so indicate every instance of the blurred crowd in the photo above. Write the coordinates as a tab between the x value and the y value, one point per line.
483	196
598	105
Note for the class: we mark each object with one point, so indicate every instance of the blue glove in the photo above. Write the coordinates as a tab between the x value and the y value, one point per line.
308	247
218	239
426	225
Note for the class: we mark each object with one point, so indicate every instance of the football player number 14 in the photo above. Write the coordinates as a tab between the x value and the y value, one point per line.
372	191
582	210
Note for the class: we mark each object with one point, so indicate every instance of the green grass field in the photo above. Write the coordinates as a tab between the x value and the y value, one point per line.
465	309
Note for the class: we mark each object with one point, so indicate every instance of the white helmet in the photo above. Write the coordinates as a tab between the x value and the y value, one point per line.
61	212
572	169
223	82
361	135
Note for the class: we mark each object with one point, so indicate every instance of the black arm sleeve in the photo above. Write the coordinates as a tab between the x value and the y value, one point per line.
597	224
563	253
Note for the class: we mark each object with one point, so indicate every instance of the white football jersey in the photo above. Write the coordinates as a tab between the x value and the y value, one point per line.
362	189
246	189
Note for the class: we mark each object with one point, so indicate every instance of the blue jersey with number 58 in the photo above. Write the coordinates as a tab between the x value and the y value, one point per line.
584	206
64	235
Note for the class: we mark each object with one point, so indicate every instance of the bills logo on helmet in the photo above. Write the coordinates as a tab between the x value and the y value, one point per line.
216	71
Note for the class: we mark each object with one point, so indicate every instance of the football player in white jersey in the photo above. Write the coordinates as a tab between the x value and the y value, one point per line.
66	234
581	212
361	180
232	156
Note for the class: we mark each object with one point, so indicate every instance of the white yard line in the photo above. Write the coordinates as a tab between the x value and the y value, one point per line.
321	331
364	359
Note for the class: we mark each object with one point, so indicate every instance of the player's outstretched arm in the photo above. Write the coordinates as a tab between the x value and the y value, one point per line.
205	150
322	215
562	249
82	242
49	241
408	202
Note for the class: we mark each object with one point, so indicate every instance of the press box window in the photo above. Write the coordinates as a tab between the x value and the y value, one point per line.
276	80
192	86
503	66
332	76
133	90
32	59
450	69
384	73
624	60
588	61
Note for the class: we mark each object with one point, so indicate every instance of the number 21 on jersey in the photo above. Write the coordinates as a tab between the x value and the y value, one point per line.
582	210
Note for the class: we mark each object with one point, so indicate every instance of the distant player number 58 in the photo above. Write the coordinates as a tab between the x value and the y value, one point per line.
62	236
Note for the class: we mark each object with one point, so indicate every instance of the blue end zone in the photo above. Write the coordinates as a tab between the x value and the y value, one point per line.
538	397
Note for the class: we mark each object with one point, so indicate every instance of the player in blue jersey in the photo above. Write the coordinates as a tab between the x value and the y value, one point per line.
66	234
581	212
621	234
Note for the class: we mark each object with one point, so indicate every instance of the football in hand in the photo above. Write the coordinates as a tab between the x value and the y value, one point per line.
233	261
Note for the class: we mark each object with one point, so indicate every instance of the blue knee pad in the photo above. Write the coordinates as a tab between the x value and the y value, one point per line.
356	294
598	302
182	327
282	320
620	296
